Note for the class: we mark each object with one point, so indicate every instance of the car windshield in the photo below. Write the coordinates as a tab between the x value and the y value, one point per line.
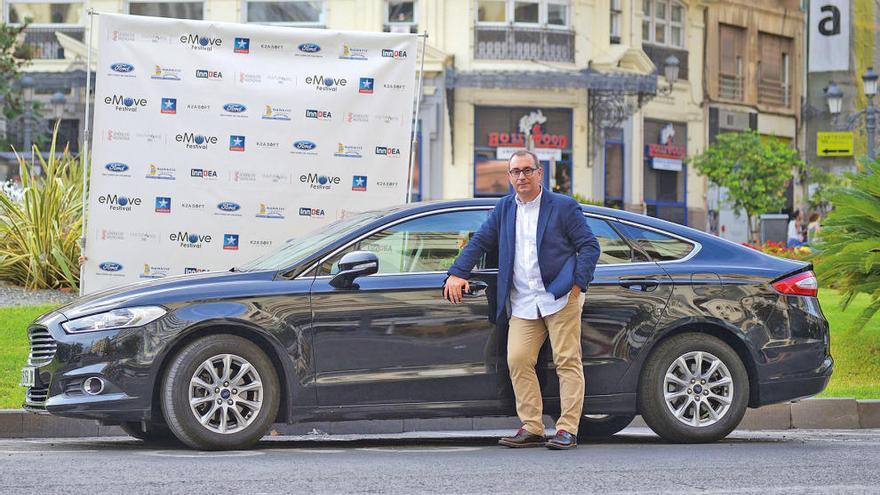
298	248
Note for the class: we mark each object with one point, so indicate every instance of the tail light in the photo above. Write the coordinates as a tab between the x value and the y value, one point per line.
800	284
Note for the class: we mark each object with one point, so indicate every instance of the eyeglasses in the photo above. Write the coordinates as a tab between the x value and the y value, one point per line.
528	171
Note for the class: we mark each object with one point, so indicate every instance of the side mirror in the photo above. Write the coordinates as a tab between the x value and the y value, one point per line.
353	265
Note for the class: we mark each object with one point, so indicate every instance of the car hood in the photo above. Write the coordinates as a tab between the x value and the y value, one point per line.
168	290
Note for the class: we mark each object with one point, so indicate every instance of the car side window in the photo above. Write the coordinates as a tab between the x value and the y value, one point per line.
426	244
660	247
613	248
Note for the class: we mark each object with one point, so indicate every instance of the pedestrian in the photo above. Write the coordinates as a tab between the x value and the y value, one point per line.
794	238
813	229
546	258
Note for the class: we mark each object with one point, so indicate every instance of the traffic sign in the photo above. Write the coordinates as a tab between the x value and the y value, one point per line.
834	143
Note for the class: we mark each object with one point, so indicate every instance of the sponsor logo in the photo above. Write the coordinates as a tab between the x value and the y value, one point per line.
112	135
396	87
387	183
163	204
201	42
396	54
308	50
194	141
116	169
249	78
125	103
230	242
120	69
116	202
268	145
353	118
276	113
260	242
193	269
319	115
160	173
272	47
311	212
190	240
234	108
236	143
149	137
275	178
242	45
203	173
387	119
388	151
152	272
169	106
320	182
304	147
191	205
110	266
112	235
228	208
344	151
274	79
326	83
198	107
352	53
212	75
122	36
265	211
165	73
365	85
243	176
359	183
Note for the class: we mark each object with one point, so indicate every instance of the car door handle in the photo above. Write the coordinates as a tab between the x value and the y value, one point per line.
639	283
476	289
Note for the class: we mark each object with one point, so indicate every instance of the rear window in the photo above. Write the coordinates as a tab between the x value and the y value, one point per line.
660	247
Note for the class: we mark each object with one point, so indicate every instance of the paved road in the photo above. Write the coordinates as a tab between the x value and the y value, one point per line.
635	461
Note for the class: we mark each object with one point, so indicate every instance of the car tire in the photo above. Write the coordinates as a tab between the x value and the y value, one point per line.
601	426
156	433
241	417
683	407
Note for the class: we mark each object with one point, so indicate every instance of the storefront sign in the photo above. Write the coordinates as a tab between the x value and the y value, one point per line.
544	154
667	156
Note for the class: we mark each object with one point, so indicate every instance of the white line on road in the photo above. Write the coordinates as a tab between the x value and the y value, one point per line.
41	452
201	455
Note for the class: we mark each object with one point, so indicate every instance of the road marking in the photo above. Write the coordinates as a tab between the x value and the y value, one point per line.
201	455
304	450
41	452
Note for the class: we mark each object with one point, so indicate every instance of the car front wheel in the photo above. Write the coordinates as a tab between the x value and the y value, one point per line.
694	388
220	392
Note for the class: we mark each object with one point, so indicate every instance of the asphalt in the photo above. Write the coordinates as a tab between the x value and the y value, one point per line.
634	461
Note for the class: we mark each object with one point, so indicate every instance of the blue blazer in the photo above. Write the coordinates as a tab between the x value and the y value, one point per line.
567	249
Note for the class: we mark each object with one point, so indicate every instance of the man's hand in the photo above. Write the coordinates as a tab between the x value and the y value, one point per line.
453	289
576	291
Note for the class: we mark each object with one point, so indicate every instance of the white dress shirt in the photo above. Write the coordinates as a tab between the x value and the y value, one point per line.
529	300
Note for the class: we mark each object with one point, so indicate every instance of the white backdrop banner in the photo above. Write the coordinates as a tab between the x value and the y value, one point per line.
215	142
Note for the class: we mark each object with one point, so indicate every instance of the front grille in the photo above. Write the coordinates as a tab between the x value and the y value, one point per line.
42	346
73	387
36	398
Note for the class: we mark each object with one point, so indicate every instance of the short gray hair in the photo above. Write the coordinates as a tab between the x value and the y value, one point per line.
524	152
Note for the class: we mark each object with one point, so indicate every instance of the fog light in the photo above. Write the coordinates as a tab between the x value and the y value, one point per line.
93	385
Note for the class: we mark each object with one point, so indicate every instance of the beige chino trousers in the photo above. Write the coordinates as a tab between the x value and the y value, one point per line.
524	341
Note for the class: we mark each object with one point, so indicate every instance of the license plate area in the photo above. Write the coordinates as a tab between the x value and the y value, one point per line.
28	376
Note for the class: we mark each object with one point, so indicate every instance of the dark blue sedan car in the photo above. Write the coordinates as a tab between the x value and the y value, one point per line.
349	322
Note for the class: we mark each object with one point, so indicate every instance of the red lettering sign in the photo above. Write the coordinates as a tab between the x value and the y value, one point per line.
667	151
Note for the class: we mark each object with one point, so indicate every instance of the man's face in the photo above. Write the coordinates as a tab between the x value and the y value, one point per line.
525	175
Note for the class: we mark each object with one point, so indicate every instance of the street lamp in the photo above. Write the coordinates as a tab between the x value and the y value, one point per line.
834	96
870	80
670	69
27	91
58	101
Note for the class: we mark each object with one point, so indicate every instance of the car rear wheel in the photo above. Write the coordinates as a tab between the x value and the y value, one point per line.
694	388
601	425
220	392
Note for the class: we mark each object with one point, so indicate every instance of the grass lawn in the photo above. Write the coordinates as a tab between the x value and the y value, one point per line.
856	355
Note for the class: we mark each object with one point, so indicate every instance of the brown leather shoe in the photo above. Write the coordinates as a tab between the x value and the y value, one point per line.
563	440
523	438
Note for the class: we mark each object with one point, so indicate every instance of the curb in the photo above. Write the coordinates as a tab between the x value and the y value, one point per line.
836	413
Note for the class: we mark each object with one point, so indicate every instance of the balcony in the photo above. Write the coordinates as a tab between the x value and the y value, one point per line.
524	43
774	93
44	45
730	87
658	54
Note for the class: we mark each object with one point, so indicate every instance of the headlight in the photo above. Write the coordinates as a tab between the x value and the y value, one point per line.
118	318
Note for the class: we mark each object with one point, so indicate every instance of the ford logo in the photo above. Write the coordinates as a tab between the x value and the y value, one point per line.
116	167
123	68
234	107
110	266
228	206
309	48
305	145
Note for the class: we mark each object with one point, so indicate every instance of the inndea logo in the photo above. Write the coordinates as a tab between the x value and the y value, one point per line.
311	212
120	69
230	242
276	113
326	83
320	182
153	272
110	266
304	147
212	75
242	45
117	169
359	183
203	173
165	73
200	42
365	85
388	151
308	50
125	103
276	212
236	143
193	269
344	151
389	53
194	141
319	114
169	106
234	108
119	203
190	240
160	173
163	204
352	53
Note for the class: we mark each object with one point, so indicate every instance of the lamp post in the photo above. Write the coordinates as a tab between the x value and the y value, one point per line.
27	91
670	69
58	102
834	98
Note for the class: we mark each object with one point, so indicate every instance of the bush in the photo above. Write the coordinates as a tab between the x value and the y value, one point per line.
39	232
779	249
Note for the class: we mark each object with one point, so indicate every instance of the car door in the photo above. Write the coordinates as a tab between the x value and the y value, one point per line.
393	338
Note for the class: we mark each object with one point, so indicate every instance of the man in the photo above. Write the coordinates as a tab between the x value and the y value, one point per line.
546	258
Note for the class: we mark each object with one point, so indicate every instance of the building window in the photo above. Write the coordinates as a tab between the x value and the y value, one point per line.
287	12
731	48
616	15
550	13
614	168
774	70
400	16
663	23
524	30
174	9
44	12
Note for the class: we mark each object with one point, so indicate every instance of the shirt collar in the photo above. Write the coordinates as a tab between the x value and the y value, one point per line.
531	203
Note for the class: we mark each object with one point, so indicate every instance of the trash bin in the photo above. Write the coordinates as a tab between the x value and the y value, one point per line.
774	227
